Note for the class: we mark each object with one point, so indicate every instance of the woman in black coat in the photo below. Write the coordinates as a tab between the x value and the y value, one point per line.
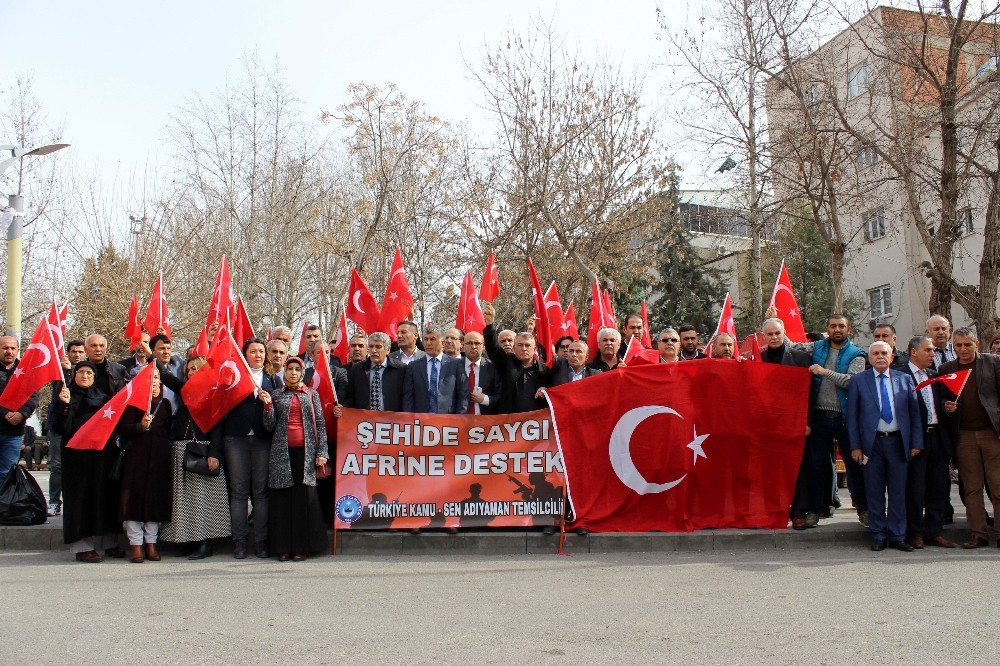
90	497
147	482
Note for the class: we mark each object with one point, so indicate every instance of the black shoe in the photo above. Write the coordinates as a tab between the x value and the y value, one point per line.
901	545
240	550
261	551
203	550
878	544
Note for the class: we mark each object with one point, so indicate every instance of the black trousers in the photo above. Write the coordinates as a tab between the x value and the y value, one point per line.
928	487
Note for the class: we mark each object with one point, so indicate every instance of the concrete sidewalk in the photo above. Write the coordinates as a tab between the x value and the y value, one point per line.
842	529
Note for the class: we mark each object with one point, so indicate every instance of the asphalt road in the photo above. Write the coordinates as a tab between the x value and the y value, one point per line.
821	606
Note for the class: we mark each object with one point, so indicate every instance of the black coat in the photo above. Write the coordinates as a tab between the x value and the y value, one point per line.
357	394
26	410
147	476
938	392
519	383
563	374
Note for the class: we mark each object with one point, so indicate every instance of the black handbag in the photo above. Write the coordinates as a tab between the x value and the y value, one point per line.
116	469
196	459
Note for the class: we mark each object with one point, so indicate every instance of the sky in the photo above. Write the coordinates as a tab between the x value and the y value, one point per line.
111	73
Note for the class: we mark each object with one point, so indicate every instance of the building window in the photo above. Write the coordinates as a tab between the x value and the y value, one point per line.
988	67
858	80
867	156
964	220
880	301
874	223
814	95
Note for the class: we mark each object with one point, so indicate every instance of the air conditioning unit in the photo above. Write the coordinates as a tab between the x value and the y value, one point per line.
722	250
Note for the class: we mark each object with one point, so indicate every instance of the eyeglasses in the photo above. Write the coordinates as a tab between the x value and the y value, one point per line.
669	339
561	347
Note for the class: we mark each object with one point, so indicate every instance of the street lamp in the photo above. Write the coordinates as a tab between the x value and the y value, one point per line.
13	217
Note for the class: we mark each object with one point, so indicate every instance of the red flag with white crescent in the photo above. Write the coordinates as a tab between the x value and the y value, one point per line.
489	287
635	355
554	311
727	324
954	382
472	318
542	334
783	300
362	308
397	303
133	327
220	384
222	302
322	383
596	320
752	347
158	313
201	347
610	320
242	328
341	342
95	433
302	339
680	447
569	322
40	364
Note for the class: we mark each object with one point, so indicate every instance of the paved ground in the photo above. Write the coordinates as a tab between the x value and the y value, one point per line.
821	606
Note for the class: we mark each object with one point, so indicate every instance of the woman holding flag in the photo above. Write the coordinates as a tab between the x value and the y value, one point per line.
146	494
90	497
298	447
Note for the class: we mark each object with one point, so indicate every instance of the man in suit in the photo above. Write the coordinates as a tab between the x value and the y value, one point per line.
887	333
885	432
406	337
483	378
780	353
974	420
375	383
928	483
939	331
435	383
574	367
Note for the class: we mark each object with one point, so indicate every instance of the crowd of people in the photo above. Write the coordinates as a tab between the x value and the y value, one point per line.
264	488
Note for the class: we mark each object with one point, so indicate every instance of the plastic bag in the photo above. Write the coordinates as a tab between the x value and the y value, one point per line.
21	499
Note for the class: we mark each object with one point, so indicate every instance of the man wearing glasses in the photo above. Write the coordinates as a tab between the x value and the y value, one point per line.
666	344
482	375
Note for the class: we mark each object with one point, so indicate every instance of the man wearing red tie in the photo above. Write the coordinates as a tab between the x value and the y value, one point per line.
884	429
483	378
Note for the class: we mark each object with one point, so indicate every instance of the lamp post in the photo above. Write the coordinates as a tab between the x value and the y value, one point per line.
13	217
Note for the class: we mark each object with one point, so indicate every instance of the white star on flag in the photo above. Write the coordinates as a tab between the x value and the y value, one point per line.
695	445
393	295
108	413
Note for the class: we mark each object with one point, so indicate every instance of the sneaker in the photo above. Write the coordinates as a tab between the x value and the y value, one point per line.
54	509
812	520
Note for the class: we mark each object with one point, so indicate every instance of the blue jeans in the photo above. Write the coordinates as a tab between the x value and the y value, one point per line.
247	463
10	453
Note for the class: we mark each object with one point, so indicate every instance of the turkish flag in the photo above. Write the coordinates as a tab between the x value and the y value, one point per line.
157	314
752	347
361	306
201	347
222	296
596	321
470	313
39	365
341	342
647	340
302	339
542	333
569	322
554	311
727	324
610	320
322	383
220	384
678	447
242	328
397	303
133	327
783	300
954	382
95	433
489	288
635	355
56	321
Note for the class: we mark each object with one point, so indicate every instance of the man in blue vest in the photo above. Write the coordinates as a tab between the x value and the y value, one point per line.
834	360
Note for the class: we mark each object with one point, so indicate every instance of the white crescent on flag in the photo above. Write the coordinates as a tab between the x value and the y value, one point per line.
356	305
44	351
236	373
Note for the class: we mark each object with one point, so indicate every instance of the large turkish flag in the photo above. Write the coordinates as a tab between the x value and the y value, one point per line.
677	447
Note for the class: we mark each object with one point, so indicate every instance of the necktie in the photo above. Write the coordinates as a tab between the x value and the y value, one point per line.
472	387
375	394
432	387
928	395
886	402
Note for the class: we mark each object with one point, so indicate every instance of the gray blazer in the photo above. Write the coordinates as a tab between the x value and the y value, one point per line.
276	421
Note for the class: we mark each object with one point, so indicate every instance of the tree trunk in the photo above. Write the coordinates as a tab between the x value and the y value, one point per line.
987	323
